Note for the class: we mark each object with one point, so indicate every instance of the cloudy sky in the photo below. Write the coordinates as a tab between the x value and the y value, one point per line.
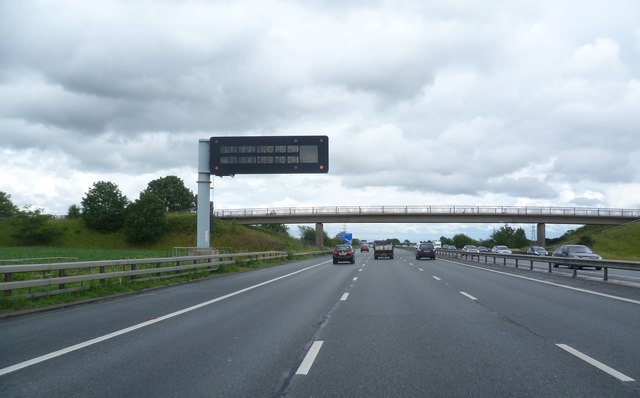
504	102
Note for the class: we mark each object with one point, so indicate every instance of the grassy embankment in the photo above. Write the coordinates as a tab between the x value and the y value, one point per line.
74	242
611	242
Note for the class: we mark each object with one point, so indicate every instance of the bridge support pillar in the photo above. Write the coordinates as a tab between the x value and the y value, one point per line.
541	234
319	235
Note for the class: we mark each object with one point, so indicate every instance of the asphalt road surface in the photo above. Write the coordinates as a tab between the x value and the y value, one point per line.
379	328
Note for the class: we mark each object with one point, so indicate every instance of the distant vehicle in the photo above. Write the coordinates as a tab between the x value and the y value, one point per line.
500	249
344	253
483	249
382	248
427	250
364	248
576	251
537	251
437	244
470	249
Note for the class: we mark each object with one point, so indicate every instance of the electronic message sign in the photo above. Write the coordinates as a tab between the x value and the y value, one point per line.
269	154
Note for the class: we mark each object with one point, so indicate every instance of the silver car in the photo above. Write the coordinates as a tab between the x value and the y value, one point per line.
576	251
470	249
500	249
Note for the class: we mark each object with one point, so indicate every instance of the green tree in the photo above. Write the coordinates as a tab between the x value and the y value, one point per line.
510	237
446	241
173	192
33	227
395	241
7	208
308	237
103	207
519	239
74	212
503	236
145	220
459	240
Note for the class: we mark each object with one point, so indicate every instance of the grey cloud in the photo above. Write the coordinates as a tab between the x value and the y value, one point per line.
440	97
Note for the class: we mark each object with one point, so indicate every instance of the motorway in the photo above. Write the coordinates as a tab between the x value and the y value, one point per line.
377	328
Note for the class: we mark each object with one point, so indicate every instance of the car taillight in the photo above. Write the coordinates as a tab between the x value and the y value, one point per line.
335	252
350	252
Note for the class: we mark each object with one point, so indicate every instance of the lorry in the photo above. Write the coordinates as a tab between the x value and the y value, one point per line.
382	248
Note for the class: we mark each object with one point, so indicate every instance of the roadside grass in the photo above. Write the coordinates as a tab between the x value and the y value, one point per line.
75	242
619	243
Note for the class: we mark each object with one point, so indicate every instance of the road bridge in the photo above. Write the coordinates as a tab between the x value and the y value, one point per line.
540	215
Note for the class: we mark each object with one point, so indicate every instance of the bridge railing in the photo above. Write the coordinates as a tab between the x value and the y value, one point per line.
427	209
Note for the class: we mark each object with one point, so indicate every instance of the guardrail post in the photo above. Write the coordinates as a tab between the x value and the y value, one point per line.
7	278
575	271
550	264
606	274
101	270
505	260
61	275
531	266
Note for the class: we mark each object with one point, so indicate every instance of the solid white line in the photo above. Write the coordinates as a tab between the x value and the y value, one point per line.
467	295
355	278
117	333
577	289
436	278
305	366
596	363
344	297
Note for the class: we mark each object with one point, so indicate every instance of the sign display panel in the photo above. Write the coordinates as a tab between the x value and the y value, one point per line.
269	154
347	237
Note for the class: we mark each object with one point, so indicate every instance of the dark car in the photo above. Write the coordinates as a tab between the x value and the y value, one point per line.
364	248
344	253
425	250
537	251
483	249
576	251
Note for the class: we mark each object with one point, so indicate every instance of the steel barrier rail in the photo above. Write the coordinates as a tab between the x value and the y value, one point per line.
211	262
575	263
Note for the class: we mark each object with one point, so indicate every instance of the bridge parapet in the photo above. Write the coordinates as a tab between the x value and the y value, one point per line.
499	211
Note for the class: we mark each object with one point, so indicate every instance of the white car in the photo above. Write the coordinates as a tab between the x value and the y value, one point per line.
470	249
500	250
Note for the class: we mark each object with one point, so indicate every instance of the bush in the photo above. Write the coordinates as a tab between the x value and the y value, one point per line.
32	228
586	240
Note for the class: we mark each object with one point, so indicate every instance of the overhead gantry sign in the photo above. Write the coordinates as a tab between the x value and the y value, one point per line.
228	156
269	155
